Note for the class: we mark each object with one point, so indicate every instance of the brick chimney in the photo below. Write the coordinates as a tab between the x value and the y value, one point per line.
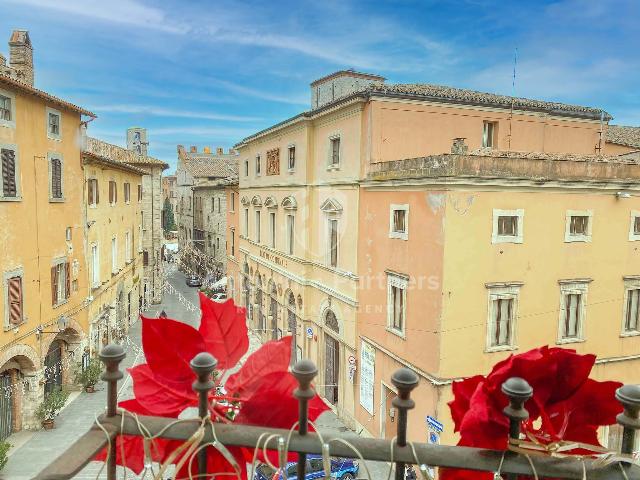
459	147
219	151
206	149
21	56
193	149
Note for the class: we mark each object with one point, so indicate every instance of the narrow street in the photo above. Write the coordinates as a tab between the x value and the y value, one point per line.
33	451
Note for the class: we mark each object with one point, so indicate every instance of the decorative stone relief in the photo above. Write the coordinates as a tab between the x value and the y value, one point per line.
273	162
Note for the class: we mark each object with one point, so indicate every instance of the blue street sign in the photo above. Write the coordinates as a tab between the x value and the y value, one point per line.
309	332
434	424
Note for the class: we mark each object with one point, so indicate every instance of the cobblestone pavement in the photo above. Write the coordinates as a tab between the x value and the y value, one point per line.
43	447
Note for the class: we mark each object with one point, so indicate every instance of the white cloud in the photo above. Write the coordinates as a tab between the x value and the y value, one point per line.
126	12
168	112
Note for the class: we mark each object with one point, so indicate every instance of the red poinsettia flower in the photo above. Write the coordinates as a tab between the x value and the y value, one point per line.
259	393
566	404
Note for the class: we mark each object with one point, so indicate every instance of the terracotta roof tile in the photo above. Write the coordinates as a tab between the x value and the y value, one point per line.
108	150
622	135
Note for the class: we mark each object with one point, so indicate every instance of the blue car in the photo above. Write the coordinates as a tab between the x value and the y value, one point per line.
341	469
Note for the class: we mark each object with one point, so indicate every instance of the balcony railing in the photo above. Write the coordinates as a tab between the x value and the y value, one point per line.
399	451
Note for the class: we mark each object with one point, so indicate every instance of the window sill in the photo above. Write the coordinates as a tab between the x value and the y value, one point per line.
57	200
564	341
581	238
13	326
8	124
55	138
399	235
503	239
396	332
291	171
11	199
501	348
333	168
631	333
59	304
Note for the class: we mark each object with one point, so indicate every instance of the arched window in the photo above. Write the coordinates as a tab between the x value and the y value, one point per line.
273	310
246	287
292	324
331	321
259	311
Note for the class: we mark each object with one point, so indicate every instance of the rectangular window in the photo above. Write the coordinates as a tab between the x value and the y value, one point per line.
9	181
233	242
502	315
396	302
578	226
145	258
54	124
55	171
139	193
60	283
508	226
219	205
127	246
257	233
333	242
15	300
113	192
258	165
272	229
245	229
92	191
213	203
95	267
5	108
631	321
114	255
334	154
233	202
246	168
292	158
488	134
399	221
634	227
290	234
127	192
572	310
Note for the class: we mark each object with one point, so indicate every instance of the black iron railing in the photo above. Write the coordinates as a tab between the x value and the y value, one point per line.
509	463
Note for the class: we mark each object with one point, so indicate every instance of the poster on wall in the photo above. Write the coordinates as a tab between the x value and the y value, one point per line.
367	376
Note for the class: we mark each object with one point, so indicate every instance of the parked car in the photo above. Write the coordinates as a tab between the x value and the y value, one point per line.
341	468
219	297
194	281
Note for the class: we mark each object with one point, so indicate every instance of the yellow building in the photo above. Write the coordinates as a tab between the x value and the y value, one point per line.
42	256
114	246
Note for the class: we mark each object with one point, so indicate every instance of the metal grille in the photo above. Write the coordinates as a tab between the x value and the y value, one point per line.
6	407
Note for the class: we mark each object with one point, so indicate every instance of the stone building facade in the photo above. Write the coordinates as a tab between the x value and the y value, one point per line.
201	180
150	193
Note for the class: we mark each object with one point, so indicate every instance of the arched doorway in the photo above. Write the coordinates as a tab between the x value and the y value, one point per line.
292	324
259	312
273	310
246	290
332	357
53	367
16	396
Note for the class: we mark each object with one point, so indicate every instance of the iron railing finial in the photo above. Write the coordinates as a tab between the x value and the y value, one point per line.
629	397
405	381
111	356
203	365
304	371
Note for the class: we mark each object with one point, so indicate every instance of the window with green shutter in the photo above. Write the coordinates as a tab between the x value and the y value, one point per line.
9	186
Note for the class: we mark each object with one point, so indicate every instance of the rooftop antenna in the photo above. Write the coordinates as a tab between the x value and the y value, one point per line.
513	92
599	147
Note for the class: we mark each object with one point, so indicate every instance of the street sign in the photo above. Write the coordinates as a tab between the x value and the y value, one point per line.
434	438
309	332
434	424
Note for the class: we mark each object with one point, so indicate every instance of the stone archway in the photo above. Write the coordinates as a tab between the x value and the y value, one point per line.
19	389
61	351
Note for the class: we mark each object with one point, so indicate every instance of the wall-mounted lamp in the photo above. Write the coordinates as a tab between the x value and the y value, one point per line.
620	195
90	223
62	325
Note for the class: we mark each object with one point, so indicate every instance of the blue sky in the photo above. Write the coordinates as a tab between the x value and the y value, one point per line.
211	72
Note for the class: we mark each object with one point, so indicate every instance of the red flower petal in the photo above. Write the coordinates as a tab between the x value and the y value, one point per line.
224	330
273	356
169	346
462	392
157	396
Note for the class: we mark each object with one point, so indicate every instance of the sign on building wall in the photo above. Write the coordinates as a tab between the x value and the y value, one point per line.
367	376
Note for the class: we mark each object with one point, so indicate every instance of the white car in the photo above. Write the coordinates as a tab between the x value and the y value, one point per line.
219	297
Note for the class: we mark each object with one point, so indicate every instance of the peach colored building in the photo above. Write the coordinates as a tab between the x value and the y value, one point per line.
316	256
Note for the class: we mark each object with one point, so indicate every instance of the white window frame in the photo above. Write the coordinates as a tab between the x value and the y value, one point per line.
6	276
245	226
140	239
233	202
332	218
53	136
258	165
402	282
330	164
392	233
127	247
93	181
95	266
273	224
258	224
9	123
50	157
61	294
519	237
630	283
114	254
18	197
291	233
633	237
232	250
502	291
568	287
567	228
485	137
291	169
